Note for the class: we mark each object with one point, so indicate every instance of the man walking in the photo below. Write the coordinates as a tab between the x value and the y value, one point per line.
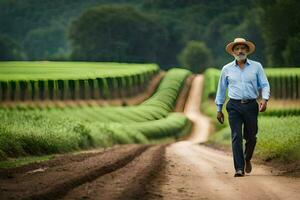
243	78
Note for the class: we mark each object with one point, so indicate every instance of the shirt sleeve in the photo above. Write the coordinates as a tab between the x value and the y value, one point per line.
221	92
263	83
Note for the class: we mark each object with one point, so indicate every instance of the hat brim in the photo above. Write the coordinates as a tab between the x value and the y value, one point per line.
248	43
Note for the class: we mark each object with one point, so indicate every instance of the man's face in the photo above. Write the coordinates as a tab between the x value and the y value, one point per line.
240	51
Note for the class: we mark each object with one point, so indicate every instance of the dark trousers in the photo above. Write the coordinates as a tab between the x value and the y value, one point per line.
243	124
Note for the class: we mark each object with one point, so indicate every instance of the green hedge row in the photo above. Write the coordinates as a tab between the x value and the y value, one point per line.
284	82
53	83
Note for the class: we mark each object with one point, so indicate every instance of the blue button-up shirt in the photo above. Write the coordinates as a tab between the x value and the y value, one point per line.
242	83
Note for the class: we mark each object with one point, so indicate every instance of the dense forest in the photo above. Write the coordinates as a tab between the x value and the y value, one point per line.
148	30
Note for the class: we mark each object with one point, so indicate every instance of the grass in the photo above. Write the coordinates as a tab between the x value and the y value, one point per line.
278	138
18	162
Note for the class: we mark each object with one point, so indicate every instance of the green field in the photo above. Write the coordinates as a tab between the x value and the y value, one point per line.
33	131
38	81
45	70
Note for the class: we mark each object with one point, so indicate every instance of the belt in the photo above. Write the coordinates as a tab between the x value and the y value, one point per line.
243	101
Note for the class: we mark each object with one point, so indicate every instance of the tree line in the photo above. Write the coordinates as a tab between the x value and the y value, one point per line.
171	33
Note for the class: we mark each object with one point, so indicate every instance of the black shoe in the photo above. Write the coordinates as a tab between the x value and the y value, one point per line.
248	166
239	173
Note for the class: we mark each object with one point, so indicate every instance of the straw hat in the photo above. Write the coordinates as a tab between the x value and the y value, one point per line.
240	41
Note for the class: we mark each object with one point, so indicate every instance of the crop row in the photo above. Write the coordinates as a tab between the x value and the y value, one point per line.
284	82
281	112
36	131
45	83
41	70
156	107
110	87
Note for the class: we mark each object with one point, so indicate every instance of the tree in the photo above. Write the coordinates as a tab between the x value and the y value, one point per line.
291	54
117	33
9	49
280	23
195	56
46	42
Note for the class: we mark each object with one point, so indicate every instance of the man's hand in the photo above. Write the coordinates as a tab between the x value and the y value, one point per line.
262	105
220	117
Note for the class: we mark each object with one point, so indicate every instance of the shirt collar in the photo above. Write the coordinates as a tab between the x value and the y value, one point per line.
248	62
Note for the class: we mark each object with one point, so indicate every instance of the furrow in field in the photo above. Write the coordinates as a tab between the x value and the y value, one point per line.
51	183
130	182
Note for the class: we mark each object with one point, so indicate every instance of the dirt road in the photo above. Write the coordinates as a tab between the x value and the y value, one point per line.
195	171
182	170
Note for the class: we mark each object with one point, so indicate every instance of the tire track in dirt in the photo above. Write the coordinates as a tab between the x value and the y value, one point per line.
57	181
57	160
199	172
128	182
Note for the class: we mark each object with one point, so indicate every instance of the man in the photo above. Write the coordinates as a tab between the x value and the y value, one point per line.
243	78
